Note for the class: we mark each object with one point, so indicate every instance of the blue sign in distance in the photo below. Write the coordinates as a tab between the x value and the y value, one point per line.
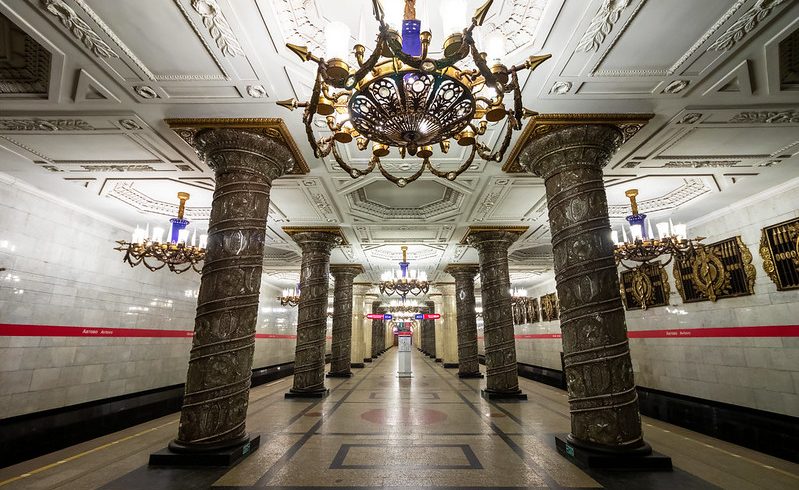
419	316
388	316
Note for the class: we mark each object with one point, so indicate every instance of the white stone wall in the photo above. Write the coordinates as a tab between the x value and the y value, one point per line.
61	270
761	373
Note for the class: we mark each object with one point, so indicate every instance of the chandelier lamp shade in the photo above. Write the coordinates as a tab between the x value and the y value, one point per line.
398	97
177	252
404	281
290	297
642	246
402	306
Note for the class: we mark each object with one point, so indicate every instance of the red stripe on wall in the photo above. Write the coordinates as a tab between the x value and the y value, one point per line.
16	330
712	332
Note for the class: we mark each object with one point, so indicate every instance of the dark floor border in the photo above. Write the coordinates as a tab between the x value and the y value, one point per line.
768	432
32	435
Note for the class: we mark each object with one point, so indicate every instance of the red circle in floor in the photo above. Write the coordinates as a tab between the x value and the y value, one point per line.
404	416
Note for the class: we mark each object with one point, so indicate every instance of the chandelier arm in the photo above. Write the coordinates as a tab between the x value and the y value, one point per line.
499	154
482	66
440	64
396	180
369	65
336	95
353	172
464	166
518	108
152	268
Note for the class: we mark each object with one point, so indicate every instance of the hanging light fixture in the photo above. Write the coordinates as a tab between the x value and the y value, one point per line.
643	247
290	297
402	306
404	281
401	98
177	253
518	296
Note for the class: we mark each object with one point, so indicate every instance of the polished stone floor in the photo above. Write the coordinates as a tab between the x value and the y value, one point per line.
375	430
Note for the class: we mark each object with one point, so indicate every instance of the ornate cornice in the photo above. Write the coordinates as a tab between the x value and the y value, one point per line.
519	230
333	230
542	124
275	128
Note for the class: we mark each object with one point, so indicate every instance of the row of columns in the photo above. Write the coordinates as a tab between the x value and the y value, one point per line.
602	397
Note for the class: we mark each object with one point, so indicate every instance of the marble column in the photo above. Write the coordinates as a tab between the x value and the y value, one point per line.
430	328
468	363
602	398
343	276
309	356
378	327
448	325
361	304
369	332
492	244
244	161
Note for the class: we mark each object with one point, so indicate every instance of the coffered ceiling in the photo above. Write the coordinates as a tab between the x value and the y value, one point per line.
85	86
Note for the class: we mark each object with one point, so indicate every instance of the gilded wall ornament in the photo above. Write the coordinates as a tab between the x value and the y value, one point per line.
719	270
779	248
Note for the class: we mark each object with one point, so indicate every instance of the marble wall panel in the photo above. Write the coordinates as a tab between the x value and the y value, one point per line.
61	270
756	372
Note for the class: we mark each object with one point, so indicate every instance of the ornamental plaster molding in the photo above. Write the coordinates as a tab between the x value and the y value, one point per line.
767	117
79	28
128	194
30	75
745	24
218	27
691	189
601	25
35	124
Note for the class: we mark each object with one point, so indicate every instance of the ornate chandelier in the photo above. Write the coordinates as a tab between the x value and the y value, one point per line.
290	297
402	306
518	296
400	97
176	253
404	281
643	246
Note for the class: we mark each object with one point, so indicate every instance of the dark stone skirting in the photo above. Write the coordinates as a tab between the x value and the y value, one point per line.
450	365
35	434
767	432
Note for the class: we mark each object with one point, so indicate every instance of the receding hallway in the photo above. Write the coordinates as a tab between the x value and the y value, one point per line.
374	429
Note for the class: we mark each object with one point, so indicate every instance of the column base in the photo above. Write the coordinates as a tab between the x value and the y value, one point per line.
639	459
438	359
339	375
367	359
503	395
357	365
431	356
231	456
450	365
470	375
307	394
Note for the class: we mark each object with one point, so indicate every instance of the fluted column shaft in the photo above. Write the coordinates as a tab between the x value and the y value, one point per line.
468	363
343	275
220	363
602	397
309	357
502	377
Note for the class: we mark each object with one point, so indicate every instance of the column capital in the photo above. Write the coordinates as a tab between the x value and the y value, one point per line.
445	288
345	270
481	236
462	271
316	238
529	147
267	144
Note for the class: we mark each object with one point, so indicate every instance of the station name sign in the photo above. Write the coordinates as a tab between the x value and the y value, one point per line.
427	316
380	316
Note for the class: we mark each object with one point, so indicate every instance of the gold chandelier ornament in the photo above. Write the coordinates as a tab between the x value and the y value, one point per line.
290	297
405	280
153	251
399	97
643	246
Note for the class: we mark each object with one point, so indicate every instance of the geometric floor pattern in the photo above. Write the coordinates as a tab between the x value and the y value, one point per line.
376	430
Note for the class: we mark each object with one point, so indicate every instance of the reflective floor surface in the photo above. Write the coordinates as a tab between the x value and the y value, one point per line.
375	430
